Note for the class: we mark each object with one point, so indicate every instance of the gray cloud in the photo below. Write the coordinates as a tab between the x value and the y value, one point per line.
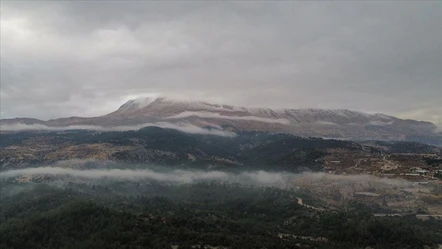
174	176
282	179
87	58
184	127
217	115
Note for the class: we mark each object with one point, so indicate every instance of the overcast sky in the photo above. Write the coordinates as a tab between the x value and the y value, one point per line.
87	58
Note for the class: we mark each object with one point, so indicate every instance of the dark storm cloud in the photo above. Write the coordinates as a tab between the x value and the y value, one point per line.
87	58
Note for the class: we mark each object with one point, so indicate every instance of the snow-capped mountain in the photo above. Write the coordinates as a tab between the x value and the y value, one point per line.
341	123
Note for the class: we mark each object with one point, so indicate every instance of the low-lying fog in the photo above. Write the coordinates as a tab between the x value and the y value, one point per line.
179	176
169	176
334	189
180	126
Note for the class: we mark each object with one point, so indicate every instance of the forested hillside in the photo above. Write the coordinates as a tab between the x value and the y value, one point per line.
161	216
256	150
169	147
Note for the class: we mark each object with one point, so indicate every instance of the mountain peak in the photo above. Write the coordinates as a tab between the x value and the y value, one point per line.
142	102
334	123
138	103
167	102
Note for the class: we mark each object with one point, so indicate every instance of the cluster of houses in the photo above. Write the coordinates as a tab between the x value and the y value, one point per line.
418	173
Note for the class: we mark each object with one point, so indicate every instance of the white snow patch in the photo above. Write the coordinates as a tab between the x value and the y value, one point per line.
379	123
187	114
353	124
328	123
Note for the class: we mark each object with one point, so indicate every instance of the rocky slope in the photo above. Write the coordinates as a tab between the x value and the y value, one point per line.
344	124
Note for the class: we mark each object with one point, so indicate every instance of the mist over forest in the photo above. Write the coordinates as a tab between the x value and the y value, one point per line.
158	207
166	188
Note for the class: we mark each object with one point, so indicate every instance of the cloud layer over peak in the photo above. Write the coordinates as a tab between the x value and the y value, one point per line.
87	58
184	127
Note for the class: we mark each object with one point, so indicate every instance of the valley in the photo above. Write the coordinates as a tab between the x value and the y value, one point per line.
192	190
337	171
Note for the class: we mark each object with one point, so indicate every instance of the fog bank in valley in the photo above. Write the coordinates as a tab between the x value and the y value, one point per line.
168	176
180	176
183	127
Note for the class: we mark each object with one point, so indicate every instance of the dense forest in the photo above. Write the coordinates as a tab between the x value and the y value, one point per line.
122	214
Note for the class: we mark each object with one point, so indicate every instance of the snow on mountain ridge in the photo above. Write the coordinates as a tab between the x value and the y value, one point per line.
143	102
172	108
217	115
336	123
